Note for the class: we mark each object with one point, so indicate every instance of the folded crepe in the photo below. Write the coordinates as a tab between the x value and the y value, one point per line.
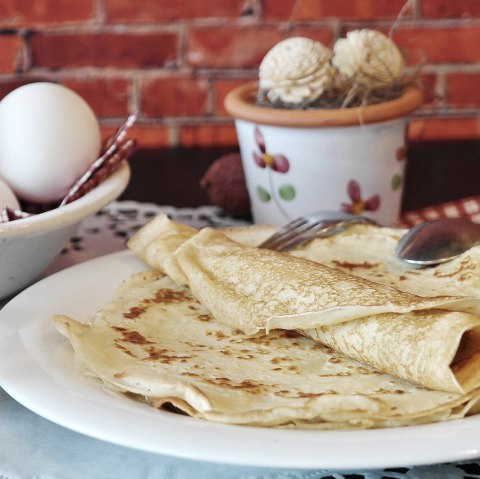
369	252
155	341
430	341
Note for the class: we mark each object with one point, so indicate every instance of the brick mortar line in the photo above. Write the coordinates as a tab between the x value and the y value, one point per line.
147	73
99	23
96	28
180	121
211	98
148	121
385	24
99	9
202	73
182	47
444	113
95	72
448	68
134	99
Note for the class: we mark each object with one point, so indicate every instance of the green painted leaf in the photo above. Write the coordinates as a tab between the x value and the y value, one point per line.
263	194
287	192
396	182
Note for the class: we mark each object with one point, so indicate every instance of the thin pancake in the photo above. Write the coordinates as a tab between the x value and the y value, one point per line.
254	290
156	341
369	252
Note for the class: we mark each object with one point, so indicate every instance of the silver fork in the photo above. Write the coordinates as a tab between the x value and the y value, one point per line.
302	230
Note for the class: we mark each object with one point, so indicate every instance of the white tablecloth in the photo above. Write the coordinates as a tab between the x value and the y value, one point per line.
32	447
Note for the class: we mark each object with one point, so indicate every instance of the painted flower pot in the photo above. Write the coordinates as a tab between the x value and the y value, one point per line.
300	161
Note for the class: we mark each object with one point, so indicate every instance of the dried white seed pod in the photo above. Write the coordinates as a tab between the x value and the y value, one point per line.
368	58
296	70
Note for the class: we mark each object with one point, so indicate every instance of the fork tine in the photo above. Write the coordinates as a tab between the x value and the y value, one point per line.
304	229
293	235
295	240
289	234
282	232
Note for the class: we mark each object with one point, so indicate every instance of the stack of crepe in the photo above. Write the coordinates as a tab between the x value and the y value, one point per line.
331	336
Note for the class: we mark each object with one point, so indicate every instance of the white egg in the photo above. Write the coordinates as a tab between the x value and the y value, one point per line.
7	198
49	136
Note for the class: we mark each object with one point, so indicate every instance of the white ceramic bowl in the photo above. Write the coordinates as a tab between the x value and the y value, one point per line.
29	245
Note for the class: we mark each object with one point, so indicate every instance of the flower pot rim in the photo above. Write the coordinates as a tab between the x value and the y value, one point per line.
240	104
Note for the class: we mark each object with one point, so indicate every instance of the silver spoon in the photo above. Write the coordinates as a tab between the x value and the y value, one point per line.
438	241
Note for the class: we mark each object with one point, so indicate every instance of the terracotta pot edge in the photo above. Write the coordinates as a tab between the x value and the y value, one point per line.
237	105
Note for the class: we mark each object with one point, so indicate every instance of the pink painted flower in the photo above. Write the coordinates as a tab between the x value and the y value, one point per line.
401	153
358	204
267	160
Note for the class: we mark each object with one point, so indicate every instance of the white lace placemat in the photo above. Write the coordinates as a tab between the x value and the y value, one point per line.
107	231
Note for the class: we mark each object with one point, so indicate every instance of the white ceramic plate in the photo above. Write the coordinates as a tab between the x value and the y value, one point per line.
38	370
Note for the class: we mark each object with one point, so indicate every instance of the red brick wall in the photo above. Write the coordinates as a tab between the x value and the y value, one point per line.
174	60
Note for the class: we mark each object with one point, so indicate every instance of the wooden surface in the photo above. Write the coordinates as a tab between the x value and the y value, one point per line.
436	172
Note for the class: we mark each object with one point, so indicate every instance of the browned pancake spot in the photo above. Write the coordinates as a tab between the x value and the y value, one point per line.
129	336
352	266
